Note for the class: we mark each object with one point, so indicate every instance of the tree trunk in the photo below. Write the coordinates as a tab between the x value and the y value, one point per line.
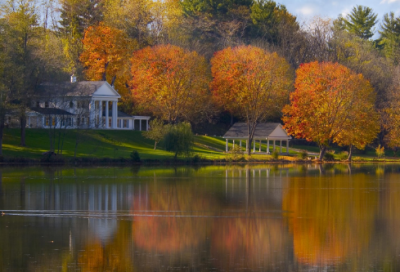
1	137
350	152
250	140
155	145
322	152
23	129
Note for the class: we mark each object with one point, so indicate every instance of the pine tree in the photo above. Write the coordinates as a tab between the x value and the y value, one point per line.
390	36
361	21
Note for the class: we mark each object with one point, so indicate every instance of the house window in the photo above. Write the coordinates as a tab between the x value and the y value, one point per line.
109	122
46	104
47	121
71	104
119	123
125	123
53	121
37	104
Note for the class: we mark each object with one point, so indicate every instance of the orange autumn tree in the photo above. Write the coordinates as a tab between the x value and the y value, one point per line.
170	81
331	104
106	55
250	82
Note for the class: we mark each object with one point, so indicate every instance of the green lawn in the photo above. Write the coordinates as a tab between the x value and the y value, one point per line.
117	144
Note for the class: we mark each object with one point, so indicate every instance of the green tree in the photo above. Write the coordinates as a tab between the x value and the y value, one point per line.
390	36
179	139
361	21
156	132
20	74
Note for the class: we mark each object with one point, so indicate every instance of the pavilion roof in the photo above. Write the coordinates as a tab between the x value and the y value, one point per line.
263	131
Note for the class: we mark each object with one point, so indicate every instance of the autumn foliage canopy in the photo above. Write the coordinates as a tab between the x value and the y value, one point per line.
331	104
251	83
170	82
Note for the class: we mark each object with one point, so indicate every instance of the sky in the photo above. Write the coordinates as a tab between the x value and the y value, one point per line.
306	9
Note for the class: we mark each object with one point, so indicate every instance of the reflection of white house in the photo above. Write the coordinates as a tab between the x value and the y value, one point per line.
264	132
85	104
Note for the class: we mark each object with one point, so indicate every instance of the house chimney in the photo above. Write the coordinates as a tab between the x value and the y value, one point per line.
73	79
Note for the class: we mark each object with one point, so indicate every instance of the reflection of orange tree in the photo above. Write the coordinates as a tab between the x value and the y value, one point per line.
331	218
170	223
113	255
259	241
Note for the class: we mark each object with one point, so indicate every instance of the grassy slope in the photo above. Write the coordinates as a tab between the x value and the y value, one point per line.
103	143
116	144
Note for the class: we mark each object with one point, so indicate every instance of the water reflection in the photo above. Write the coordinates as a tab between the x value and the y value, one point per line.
254	218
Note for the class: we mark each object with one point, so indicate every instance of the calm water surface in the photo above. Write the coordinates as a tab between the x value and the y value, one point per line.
215	218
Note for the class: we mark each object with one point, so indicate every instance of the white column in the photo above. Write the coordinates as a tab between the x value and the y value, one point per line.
267	146
140	124
254	146
247	146
114	114
226	145
273	150
92	114
100	114
233	144
287	147
259	148
107	110
280	149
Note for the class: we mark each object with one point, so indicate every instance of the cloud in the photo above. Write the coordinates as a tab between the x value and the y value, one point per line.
306	10
389	1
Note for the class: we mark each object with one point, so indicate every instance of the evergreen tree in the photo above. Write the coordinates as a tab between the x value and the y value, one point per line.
361	21
390	36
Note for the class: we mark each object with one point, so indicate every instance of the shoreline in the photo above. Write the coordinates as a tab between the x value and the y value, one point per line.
172	162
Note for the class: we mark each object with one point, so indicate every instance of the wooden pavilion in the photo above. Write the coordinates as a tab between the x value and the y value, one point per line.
264	132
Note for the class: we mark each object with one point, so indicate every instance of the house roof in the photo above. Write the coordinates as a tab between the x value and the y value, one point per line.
81	88
51	111
263	131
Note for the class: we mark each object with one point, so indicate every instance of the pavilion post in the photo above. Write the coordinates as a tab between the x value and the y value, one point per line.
254	146
259	148
240	144
273	150
267	146
226	147
233	144
280	149
287	147
247	146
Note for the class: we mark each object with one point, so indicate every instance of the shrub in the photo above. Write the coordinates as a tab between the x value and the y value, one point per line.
329	156
135	156
196	158
344	155
275	155
179	139
303	155
236	153
380	151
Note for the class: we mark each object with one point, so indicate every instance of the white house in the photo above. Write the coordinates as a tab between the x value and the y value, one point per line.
84	104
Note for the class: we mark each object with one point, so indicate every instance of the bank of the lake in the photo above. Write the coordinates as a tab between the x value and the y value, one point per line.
116	147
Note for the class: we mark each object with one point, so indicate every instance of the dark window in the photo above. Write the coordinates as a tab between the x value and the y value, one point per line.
46	104
71	104
37	104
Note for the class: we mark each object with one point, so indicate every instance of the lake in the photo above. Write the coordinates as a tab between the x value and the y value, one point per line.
214	218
